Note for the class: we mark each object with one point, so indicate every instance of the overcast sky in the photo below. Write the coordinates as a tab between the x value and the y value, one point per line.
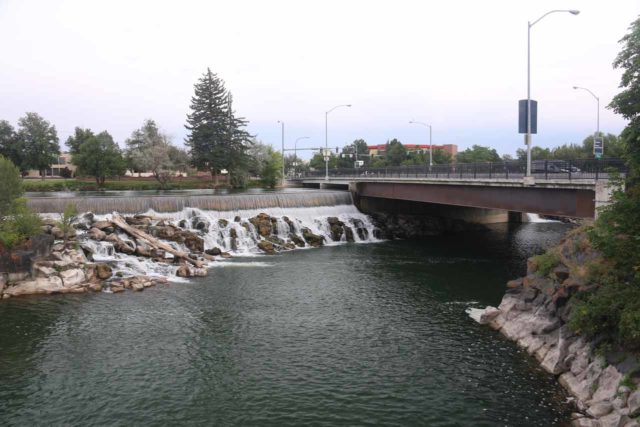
458	65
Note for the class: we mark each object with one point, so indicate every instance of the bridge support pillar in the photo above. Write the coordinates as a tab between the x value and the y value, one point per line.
517	217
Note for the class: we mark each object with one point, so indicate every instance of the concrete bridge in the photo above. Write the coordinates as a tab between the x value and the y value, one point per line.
472	193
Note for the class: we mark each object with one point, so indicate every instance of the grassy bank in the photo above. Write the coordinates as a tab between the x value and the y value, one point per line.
119	185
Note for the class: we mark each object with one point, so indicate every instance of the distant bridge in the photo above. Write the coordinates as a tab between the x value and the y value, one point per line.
571	188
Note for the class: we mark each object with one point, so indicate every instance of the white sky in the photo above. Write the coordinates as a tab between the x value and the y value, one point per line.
458	65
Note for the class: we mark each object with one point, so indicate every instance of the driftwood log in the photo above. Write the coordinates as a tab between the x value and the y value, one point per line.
152	241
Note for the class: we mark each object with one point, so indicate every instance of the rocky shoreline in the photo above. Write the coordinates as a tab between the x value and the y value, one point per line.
534	313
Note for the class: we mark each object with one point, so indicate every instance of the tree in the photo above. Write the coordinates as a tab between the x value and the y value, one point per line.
478	154
357	150
9	144
317	162
69	214
441	157
38	142
79	137
272	168
150	150
395	153
217	139
100	157
11	187
613	146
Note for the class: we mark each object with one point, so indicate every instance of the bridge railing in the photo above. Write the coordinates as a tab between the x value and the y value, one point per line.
574	169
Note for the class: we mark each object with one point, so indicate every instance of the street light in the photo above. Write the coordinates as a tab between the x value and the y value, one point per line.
528	135
598	111
326	139
295	154
413	122
282	124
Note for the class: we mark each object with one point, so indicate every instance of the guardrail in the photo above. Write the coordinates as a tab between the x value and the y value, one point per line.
541	169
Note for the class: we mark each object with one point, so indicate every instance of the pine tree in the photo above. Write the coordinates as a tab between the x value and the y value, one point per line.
216	137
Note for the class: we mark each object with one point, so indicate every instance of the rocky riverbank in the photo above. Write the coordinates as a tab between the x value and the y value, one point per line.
535	313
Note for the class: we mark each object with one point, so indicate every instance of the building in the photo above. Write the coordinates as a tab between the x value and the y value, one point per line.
379	150
63	161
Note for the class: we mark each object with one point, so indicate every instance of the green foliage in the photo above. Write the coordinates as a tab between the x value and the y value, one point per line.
79	137
19	225
38	142
613	311
546	262
11	185
478	154
9	146
99	156
217	139
395	153
67	217
272	168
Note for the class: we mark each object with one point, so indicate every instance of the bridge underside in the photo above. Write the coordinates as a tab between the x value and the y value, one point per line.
546	201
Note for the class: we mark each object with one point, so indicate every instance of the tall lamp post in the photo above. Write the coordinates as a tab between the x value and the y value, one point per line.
282	125
326	139
528	135
597	111
295	154
413	122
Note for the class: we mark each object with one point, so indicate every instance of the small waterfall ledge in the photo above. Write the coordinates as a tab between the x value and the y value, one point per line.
176	203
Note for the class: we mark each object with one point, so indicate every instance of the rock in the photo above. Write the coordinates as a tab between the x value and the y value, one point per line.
72	277
40	270
312	239
182	223
297	240
600	409
489	314
613	420
292	227
41	285
585	422
561	273
57	233
267	247
633	402
222	223
263	224
608	383
104	271
96	234
233	233
117	287
137	286
183	271
225	255
516	283
193	242
96	287
143	249
105	226
213	251
237	219
138	220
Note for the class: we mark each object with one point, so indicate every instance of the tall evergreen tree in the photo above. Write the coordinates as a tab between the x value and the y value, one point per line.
217	139
38	141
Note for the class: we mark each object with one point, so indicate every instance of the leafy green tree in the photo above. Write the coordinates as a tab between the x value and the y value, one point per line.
100	157
9	143
478	154
39	143
317	162
395	153
613	146
441	157
272	168
79	137
19	225
217	139
613	309
11	187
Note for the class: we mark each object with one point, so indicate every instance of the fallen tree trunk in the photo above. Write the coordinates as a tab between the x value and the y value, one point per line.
152	241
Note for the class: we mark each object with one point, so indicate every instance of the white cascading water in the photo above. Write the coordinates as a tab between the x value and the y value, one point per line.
216	231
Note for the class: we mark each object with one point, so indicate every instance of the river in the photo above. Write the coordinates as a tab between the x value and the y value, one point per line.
353	334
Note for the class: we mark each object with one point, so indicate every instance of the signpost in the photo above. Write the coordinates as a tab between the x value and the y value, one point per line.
598	147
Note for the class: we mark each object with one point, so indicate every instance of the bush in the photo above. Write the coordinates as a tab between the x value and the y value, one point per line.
10	185
546	262
19	225
612	311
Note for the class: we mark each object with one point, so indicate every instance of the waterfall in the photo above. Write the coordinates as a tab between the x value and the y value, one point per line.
132	204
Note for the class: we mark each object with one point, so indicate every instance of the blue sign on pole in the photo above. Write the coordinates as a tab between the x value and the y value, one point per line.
522	116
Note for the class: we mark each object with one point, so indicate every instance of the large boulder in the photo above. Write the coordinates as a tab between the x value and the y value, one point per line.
213	251
41	285
103	271
267	247
140	221
312	239
183	271
297	240
262	223
73	277
96	234
193	242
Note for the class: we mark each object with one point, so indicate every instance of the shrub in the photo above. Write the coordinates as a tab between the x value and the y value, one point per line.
19	225
66	218
546	262
10	185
